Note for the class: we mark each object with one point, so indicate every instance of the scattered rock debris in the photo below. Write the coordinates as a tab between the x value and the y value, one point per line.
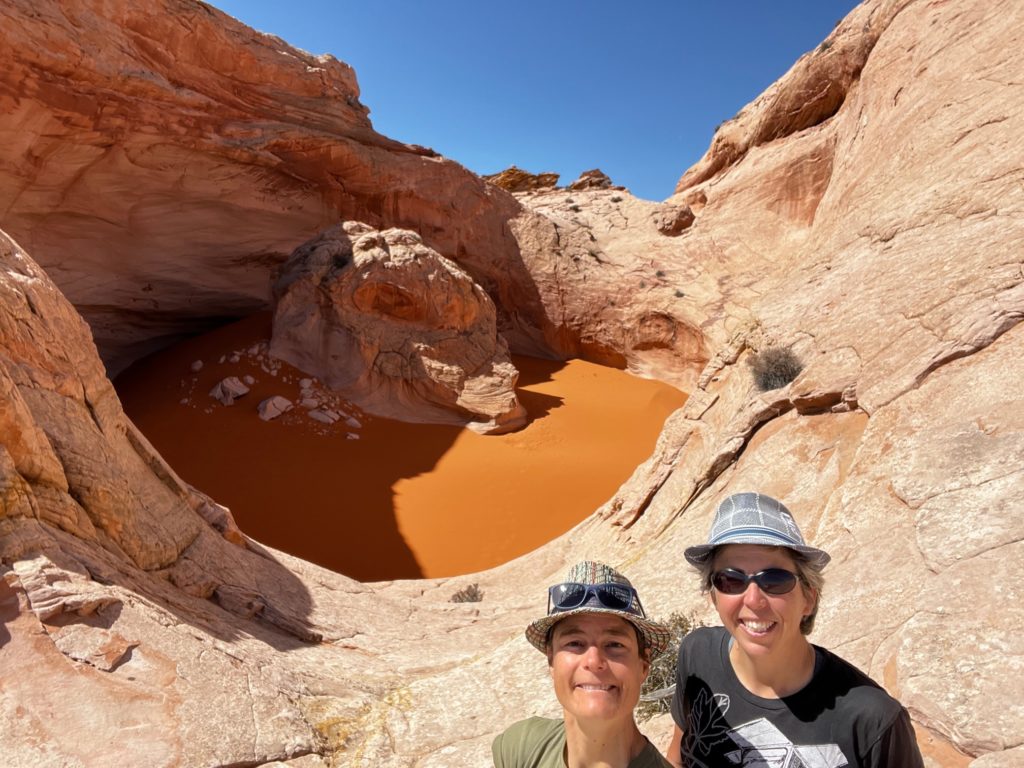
312	404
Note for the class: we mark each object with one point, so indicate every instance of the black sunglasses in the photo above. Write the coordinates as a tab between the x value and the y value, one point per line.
771	581
571	594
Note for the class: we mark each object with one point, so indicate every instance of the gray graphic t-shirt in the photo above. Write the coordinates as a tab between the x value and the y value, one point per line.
841	718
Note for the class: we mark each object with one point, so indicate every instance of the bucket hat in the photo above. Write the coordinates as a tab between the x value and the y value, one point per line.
592	587
753	518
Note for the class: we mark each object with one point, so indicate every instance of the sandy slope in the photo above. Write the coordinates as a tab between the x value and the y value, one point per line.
402	500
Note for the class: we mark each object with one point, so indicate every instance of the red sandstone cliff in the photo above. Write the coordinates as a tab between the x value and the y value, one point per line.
185	156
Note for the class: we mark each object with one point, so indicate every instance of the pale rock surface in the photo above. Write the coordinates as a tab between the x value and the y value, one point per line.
229	389
395	328
868	211
273	407
324	417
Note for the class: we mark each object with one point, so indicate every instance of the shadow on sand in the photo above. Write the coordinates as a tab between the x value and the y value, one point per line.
291	483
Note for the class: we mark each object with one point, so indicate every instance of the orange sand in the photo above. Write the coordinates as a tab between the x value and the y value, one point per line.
403	500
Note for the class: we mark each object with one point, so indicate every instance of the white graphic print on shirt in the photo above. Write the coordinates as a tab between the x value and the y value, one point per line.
757	744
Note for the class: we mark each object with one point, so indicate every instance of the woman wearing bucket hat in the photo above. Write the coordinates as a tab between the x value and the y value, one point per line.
755	691
599	644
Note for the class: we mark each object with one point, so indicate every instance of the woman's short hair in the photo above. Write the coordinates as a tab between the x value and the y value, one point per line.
810	575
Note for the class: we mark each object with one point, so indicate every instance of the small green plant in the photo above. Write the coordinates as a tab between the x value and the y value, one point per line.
660	273
774	367
468	594
825	45
679	294
656	694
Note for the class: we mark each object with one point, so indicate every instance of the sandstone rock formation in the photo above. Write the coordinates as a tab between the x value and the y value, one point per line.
517	180
593	179
186	156
396	328
867	211
221	131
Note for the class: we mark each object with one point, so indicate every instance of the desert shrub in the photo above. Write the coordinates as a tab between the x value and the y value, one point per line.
775	367
468	594
656	694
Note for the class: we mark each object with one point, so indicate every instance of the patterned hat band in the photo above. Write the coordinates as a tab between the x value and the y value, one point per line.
592	587
753	518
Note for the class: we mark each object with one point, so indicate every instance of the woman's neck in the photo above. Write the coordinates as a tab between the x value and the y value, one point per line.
601	745
775	676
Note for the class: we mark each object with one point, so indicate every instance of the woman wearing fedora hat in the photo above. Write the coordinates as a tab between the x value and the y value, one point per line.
599	645
755	691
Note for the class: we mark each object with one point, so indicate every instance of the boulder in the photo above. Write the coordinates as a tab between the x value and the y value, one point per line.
517	180
227	390
273	407
396	328
593	179
673	220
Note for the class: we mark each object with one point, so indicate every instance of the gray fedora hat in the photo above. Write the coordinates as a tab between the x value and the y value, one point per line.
753	518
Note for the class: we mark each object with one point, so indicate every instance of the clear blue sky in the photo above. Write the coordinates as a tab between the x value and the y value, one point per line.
633	88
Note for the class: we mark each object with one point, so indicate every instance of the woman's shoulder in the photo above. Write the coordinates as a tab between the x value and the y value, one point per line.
650	758
704	637
855	690
536	727
528	742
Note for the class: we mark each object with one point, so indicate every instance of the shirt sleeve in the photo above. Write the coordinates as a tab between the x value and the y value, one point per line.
898	746
498	752
677	696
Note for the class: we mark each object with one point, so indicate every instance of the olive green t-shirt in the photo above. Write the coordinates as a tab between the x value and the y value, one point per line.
539	742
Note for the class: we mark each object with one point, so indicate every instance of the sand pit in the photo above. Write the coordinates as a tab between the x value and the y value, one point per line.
379	499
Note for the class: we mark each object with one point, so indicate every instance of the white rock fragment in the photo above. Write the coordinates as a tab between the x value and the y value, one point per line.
309	403
305	383
324	417
197	366
353	422
352	436
228	390
273	407
234	359
249	380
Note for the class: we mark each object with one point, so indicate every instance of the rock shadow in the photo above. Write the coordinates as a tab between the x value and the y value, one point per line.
312	490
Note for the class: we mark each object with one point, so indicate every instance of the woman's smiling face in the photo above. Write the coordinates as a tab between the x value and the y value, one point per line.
596	667
761	624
